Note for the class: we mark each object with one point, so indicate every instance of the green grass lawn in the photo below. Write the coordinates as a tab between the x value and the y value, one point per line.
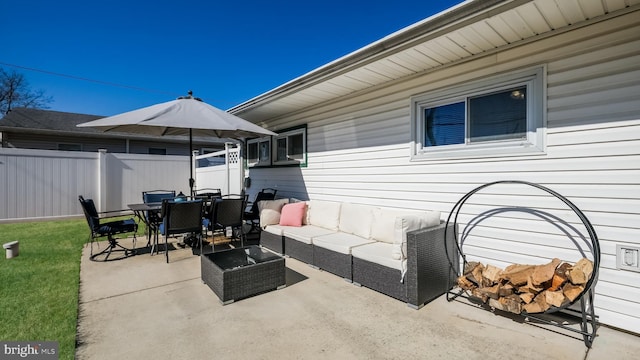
39	294
39	288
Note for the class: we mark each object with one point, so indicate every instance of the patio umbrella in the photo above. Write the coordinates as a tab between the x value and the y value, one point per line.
186	115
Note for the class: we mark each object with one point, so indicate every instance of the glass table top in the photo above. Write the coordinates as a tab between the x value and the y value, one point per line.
240	257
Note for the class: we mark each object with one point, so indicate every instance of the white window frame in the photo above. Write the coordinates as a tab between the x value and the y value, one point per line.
535	81
302	159
258	161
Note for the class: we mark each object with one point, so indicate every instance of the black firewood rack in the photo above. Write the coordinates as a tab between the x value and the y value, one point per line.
586	313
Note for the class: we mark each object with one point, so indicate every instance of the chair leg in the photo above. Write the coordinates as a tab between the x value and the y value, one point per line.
149	234
255	226
239	232
166	248
113	246
154	244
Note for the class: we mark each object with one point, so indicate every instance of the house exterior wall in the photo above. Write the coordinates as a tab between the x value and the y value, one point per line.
93	144
50	142
142	147
359	151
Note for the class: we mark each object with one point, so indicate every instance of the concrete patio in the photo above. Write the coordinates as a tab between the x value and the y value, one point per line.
143	308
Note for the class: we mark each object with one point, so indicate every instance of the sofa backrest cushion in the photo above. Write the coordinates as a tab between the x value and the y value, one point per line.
270	211
384	221
324	214
407	223
356	219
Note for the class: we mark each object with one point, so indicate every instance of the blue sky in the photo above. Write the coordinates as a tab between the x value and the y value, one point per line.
226	52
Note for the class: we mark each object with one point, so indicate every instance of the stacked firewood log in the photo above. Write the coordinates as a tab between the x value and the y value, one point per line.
526	288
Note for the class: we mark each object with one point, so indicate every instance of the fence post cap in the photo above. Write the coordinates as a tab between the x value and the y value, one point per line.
10	244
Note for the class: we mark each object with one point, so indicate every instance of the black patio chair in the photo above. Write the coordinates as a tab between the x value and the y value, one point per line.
228	212
207	193
156	196
109	229
208	196
252	216
181	217
153	218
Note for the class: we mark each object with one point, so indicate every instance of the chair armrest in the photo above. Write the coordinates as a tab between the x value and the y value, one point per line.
123	212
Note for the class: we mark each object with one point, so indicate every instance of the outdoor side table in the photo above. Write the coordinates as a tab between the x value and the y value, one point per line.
239	273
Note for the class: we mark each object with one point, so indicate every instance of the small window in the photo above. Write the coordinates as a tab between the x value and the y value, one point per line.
69	147
495	117
157	151
291	147
259	152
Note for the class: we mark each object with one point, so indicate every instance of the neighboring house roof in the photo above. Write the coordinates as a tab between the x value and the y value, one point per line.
38	121
28	120
469	30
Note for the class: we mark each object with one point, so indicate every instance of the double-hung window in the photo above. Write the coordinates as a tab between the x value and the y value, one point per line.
499	116
259	151
290	147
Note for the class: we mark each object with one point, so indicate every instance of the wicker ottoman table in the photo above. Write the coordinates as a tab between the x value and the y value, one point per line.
239	273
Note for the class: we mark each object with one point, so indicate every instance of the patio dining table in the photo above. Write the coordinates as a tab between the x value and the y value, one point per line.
151	222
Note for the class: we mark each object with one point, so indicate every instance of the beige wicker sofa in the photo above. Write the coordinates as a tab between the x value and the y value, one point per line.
400	253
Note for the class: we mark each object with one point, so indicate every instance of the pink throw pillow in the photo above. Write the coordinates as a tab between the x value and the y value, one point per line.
292	214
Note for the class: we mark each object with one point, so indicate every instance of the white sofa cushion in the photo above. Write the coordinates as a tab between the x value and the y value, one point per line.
305	233
324	214
407	223
379	253
384	221
270	211
356	219
340	242
274	229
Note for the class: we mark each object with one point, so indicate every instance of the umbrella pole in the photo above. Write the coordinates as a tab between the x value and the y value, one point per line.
191	180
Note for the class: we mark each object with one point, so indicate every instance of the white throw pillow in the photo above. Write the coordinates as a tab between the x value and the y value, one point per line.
325	214
270	211
356	219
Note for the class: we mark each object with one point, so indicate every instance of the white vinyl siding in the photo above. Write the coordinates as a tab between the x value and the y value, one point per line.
358	151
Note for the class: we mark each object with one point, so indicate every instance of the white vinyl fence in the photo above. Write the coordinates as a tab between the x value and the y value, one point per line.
44	184
220	170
